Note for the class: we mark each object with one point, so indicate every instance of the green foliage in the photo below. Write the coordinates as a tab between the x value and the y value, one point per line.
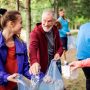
85	8
78	11
36	10
9	4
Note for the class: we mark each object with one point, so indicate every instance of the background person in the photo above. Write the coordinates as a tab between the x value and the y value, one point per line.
63	31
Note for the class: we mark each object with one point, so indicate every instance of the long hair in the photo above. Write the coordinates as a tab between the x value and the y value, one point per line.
2	12
9	16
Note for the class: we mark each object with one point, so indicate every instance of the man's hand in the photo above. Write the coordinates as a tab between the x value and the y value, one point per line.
56	56
12	77
35	69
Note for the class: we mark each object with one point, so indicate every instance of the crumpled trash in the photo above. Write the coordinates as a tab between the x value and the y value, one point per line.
51	81
68	73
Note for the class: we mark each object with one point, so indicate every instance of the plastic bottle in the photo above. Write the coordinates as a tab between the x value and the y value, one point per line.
35	80
68	73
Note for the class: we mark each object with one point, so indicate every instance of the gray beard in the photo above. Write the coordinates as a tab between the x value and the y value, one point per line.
46	30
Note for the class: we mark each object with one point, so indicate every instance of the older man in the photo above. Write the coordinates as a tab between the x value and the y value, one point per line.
45	43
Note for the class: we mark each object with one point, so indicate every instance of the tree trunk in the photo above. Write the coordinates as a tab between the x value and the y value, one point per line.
17	7
56	8
28	21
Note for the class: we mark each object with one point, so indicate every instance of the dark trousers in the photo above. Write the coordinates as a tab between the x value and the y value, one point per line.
86	71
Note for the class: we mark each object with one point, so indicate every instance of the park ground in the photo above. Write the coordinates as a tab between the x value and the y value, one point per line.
79	83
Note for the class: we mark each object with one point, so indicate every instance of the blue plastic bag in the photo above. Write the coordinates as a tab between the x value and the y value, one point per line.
51	81
26	84
23	83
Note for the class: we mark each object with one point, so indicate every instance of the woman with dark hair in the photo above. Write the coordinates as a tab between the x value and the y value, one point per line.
13	51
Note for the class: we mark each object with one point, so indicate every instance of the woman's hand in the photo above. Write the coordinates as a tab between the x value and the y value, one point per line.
75	64
12	77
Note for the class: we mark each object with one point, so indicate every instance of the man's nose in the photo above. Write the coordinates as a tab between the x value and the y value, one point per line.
46	23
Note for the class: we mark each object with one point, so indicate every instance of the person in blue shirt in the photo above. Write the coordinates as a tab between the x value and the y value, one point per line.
83	49
64	30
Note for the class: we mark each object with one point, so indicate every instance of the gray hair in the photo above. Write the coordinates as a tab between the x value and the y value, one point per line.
48	12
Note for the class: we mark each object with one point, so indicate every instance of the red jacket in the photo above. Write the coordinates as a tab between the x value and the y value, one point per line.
39	47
